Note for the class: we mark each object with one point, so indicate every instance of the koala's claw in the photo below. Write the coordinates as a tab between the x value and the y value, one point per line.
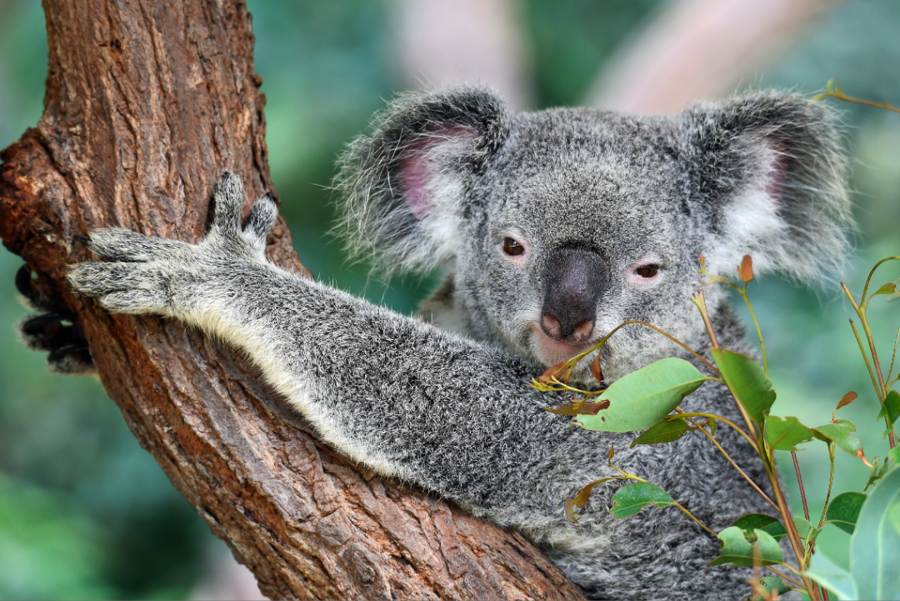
145	274
53	330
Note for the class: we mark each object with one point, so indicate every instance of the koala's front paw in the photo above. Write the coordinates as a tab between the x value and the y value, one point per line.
144	274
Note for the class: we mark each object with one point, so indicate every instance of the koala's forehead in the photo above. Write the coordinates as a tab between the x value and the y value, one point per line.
571	171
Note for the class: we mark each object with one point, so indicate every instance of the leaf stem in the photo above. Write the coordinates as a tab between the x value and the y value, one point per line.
881	389
890	375
865	357
694	518
838	94
762	343
871	274
792	534
800	484
740	471
700	302
725	421
790	580
647	325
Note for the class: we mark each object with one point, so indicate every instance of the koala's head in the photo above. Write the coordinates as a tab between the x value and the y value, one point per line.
557	225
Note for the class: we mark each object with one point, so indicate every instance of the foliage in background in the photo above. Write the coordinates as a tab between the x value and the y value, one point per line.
326	67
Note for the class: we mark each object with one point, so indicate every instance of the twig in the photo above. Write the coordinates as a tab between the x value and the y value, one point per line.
838	94
734	464
800	484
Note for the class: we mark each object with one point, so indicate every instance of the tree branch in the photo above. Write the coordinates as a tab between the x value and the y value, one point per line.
146	104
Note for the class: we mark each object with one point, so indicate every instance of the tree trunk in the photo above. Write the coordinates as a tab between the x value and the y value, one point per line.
147	103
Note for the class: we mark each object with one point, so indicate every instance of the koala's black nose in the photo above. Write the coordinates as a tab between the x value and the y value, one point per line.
574	280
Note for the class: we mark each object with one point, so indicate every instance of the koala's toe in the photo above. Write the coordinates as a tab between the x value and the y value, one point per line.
53	332
49	331
229	203
34	297
71	359
262	217
133	301
117	244
97	279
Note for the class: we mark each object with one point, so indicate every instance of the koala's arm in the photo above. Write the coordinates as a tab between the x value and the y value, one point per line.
396	394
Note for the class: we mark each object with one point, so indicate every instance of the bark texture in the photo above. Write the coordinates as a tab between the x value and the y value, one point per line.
146	104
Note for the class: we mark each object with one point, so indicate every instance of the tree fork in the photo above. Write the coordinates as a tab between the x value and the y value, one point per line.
147	103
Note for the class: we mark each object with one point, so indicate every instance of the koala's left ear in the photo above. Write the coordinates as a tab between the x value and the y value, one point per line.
770	179
406	187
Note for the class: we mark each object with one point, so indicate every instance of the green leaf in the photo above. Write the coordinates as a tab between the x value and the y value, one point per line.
640	399
785	433
875	544
889	288
832	576
894	455
631	498
665	431
891	406
842	433
760	521
745	378
802	525
737	547
844	509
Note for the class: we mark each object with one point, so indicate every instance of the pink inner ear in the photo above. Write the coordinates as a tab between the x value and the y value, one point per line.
414	181
414	172
778	172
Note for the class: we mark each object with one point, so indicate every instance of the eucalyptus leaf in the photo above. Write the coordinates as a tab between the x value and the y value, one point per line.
875	544
746	379
631	498
841	432
802	525
667	430
888	288
760	521
844	510
785	433
833	577
642	398
737	547
894	455
891	406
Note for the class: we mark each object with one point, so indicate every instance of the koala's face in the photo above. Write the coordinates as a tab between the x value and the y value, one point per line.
584	226
559	225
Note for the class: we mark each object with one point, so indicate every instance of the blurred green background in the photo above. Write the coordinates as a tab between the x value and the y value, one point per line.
86	513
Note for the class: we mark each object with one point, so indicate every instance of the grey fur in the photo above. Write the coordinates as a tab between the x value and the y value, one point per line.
453	412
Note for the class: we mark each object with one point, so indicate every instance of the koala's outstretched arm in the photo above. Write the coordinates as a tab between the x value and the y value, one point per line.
446	413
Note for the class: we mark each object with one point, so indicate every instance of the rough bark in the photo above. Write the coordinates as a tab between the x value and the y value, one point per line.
146	104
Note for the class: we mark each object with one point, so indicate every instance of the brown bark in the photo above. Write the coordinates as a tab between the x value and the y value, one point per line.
146	104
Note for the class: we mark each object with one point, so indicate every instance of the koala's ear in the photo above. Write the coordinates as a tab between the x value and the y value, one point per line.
770	177
405	186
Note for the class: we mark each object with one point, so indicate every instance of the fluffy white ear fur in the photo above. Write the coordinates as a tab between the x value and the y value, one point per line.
751	223
432	182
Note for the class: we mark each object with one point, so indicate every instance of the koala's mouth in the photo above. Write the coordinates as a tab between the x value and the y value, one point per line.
550	352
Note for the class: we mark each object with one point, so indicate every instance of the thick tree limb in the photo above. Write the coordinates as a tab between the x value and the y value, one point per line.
146	104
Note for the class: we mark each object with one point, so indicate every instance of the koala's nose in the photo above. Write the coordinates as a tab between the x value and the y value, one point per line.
574	280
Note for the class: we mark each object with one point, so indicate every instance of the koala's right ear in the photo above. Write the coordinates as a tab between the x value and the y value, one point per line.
405	186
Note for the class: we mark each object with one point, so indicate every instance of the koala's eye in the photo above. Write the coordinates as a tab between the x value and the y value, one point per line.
512	247
644	275
647	271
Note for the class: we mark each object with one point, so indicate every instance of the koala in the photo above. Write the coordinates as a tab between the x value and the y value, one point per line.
552	227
